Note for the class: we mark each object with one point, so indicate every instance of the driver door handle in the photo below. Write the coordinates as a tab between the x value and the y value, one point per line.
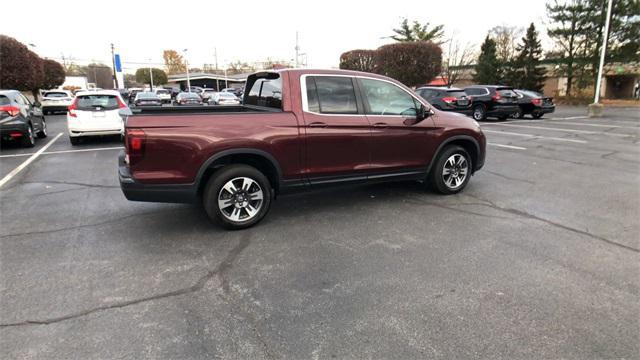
381	125
318	124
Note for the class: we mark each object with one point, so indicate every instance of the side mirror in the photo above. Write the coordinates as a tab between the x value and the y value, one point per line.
37	104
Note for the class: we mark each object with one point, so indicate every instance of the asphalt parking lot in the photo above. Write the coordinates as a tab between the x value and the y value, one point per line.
537	258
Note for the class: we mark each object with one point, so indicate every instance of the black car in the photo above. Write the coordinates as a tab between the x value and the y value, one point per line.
132	95
147	98
188	98
124	93
20	120
492	101
534	103
447	99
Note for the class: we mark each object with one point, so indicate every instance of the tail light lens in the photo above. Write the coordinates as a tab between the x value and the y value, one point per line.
536	102
11	110
449	100
121	105
496	97
72	108
134	145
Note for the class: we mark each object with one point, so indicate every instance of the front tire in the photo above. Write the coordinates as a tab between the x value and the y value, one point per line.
537	115
237	197
518	114
452	170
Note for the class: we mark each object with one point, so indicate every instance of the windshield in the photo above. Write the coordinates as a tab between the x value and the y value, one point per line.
162	92
227	96
190	95
91	102
55	94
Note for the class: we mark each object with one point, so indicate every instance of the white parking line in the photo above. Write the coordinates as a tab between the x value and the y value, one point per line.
569	118
33	157
507	146
602	126
64	151
560	129
535	136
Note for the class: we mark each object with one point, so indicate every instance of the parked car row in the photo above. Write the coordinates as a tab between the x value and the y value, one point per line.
482	101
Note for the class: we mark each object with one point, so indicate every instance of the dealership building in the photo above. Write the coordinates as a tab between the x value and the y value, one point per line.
209	81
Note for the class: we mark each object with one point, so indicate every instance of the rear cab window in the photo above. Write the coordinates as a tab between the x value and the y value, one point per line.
95	102
265	91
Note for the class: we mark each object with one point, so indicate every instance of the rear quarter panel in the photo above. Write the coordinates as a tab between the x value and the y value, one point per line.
177	146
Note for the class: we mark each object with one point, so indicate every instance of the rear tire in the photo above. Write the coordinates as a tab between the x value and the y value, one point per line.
451	171
537	115
237	197
28	140
479	113
43	132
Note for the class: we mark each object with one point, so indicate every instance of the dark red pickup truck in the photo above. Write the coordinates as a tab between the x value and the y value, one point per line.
296	129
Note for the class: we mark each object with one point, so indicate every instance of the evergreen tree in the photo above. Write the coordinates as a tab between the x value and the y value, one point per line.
529	75
488	66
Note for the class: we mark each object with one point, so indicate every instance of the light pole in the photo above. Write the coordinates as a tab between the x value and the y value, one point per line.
595	109
150	75
186	62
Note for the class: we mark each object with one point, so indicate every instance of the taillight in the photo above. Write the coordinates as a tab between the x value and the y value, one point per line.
449	100
11	110
537	102
71	109
134	144
121	105
496	97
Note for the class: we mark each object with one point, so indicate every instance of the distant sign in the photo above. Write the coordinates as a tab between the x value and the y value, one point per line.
118	64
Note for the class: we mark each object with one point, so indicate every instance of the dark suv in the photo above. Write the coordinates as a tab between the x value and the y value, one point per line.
492	100
20	120
446	99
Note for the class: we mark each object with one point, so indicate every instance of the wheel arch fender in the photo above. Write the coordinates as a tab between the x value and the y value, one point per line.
468	142
208	167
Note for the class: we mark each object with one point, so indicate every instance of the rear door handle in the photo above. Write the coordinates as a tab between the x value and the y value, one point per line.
381	125
318	125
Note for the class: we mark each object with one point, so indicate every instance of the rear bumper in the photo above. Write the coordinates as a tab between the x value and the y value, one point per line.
544	109
84	133
15	126
136	191
55	108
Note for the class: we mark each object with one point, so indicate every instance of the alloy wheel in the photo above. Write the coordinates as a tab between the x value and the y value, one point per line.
478	113
455	170
240	199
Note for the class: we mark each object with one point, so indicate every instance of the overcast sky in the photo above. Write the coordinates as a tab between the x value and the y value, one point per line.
247	30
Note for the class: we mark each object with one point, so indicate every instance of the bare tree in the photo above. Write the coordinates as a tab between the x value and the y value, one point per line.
506	38
457	58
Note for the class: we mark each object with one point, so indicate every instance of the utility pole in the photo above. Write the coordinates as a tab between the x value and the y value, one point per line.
113	61
595	109
186	62
215	55
151	75
297	50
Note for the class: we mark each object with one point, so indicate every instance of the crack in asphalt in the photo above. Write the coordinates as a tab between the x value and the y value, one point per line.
509	177
110	221
552	223
224	266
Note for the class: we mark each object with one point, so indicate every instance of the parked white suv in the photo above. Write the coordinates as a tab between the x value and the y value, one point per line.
55	100
164	95
95	113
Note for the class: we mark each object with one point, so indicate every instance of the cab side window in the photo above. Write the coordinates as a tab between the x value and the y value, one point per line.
385	98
